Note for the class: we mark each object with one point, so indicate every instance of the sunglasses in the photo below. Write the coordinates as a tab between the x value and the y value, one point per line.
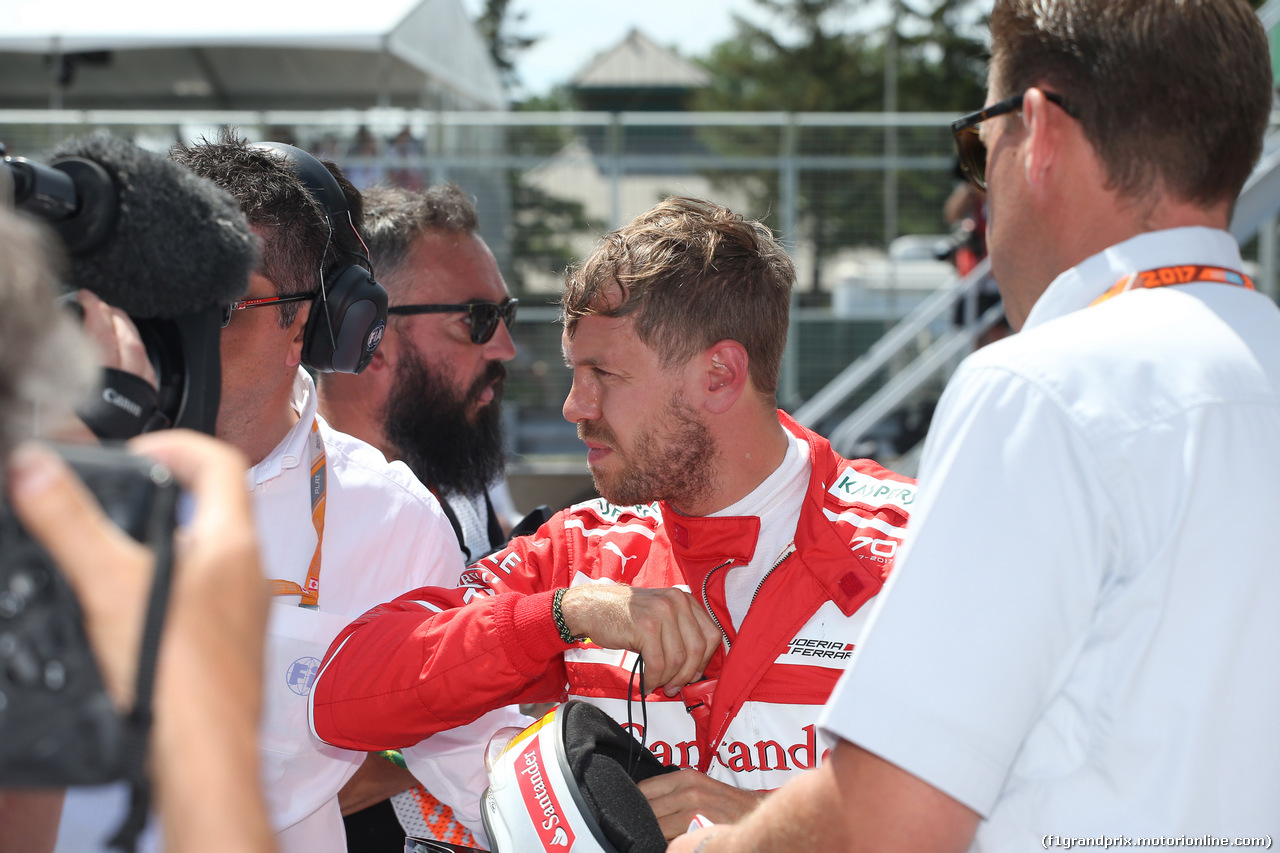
483	316
265	300
969	144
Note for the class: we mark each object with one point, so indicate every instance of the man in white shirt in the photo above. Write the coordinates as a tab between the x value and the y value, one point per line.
341	529
385	533
1078	643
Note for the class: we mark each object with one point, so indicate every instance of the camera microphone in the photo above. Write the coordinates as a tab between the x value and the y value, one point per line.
165	246
174	244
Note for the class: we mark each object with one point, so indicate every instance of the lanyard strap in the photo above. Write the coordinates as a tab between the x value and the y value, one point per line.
311	594
1183	274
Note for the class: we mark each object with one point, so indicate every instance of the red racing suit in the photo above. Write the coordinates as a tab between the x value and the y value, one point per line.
437	658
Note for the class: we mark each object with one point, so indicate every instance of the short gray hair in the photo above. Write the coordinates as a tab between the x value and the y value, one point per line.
395	217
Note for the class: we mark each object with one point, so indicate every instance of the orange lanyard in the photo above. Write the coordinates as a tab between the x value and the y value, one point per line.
311	594
1184	274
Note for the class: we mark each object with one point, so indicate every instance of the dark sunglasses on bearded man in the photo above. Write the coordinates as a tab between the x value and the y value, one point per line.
483	316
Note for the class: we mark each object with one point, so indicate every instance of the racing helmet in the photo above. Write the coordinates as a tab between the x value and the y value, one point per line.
569	783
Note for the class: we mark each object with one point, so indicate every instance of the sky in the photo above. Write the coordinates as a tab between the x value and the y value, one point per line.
574	31
570	32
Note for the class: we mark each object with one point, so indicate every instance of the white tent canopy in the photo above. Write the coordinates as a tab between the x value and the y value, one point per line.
244	54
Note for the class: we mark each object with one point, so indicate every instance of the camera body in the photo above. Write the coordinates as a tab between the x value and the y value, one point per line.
58	725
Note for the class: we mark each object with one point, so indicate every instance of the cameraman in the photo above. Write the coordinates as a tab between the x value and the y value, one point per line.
209	667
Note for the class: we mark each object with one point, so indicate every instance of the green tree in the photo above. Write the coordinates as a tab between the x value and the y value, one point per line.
495	25
941	59
826	69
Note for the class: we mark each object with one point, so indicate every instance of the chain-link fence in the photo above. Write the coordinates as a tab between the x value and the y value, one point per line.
858	198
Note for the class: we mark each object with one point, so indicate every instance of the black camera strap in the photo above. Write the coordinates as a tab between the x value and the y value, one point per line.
137	725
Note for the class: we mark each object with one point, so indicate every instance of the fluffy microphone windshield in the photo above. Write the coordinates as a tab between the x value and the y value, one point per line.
179	245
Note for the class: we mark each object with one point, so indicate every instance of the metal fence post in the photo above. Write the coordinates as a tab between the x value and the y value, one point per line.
891	147
439	171
614	147
789	196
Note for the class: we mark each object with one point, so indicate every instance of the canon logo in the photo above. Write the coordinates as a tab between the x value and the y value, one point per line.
120	401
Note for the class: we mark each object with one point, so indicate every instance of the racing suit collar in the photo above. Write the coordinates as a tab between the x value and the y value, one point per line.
700	543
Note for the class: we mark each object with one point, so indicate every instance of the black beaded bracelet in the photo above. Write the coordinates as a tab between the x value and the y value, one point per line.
558	616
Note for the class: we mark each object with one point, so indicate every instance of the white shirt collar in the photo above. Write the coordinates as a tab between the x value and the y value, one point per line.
292	449
1079	286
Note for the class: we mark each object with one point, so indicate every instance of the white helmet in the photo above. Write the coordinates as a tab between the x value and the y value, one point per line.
568	783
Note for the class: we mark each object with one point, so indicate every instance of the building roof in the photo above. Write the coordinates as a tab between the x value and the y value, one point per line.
638	62
247	54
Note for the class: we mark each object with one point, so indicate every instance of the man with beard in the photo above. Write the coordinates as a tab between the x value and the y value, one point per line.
674	329
430	397
432	394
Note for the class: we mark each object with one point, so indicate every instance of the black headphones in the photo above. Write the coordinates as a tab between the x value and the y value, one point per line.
349	313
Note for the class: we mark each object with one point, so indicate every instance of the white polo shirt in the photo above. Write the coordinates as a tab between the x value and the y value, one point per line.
384	534
1081	637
